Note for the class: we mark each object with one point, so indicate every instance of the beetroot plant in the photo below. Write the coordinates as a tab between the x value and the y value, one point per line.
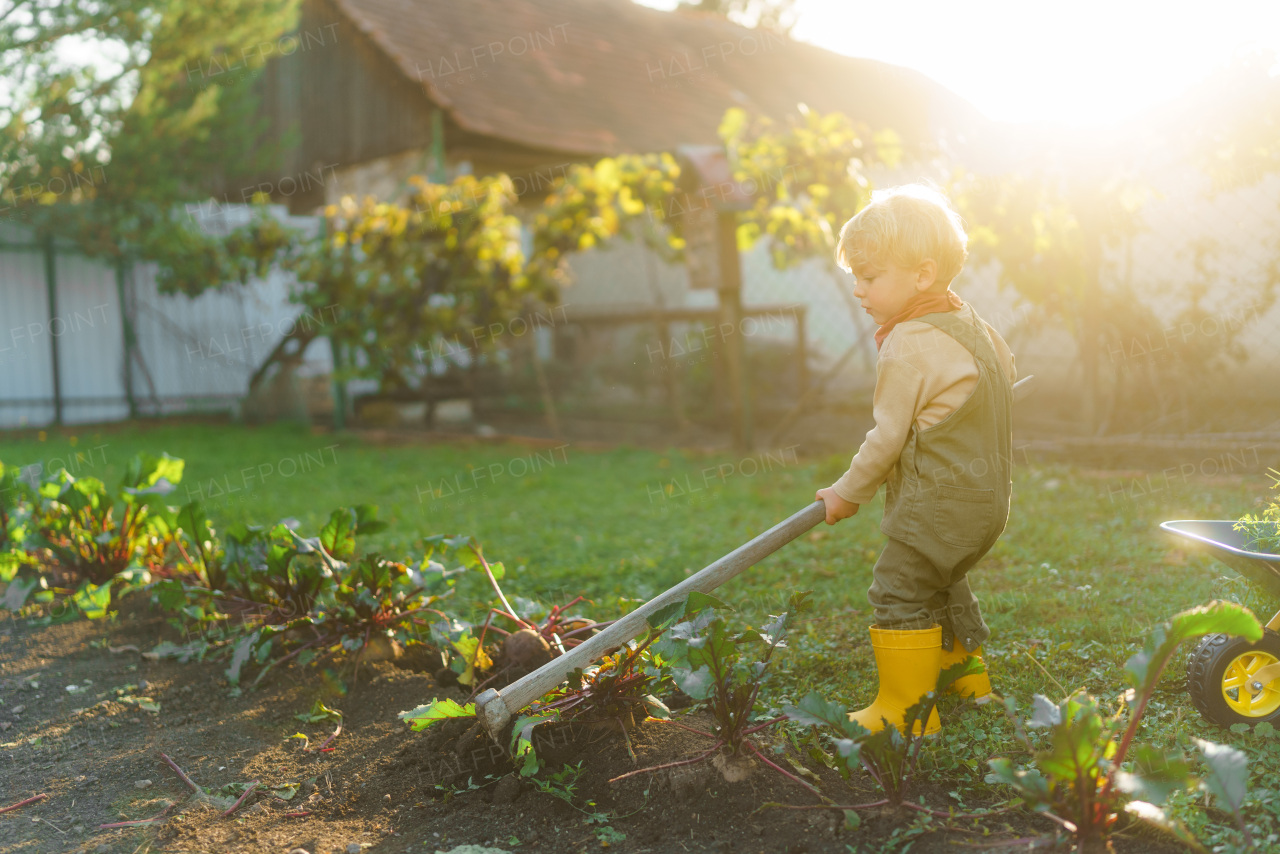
1085	778
723	670
98	533
295	597
887	756
526	642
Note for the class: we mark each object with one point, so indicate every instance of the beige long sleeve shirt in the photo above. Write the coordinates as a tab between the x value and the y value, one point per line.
922	376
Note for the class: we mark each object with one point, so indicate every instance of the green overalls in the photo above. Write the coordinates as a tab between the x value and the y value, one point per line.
947	502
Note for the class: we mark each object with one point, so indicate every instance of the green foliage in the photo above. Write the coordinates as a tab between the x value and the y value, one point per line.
1080	779
1263	528
424	282
1058	238
808	177
721	668
97	533
889	757
427	714
106	151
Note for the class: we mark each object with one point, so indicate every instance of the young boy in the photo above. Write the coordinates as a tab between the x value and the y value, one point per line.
941	440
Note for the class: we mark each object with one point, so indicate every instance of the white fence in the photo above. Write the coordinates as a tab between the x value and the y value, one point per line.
83	340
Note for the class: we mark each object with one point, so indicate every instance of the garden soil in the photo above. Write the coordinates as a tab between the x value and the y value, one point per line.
95	750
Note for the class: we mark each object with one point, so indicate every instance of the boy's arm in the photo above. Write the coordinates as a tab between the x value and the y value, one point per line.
899	387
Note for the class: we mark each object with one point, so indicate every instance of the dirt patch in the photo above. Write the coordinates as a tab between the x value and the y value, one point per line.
382	787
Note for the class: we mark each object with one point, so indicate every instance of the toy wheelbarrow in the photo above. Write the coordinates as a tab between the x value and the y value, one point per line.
1231	680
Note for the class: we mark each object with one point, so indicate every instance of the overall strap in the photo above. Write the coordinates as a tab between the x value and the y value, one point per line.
973	337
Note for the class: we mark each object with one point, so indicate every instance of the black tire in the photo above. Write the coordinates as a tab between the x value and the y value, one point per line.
1207	669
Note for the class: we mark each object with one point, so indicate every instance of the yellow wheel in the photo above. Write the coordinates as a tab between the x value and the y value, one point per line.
1240	695
1220	679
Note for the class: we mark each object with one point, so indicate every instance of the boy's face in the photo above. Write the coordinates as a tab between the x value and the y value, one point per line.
885	288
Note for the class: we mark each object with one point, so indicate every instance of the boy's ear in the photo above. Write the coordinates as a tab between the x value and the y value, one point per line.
926	274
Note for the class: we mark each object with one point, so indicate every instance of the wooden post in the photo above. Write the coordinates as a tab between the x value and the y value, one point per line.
339	386
730	293
802	351
126	328
51	291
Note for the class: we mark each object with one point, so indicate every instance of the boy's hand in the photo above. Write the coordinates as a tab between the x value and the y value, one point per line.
837	507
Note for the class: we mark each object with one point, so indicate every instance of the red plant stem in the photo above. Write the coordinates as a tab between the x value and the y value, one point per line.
240	800
184	777
330	739
484	629
137	822
557	610
872	805
306	645
764	725
652	768
182	551
297	814
501	598
682	726
784	772
30	800
1129	732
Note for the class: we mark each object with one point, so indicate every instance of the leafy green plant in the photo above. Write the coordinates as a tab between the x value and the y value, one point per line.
295	596
608	692
98	534
17	502
19	571
715	666
890	758
1081	780
318	714
1263	529
527	643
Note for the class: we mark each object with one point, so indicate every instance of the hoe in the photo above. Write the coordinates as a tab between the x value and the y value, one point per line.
496	708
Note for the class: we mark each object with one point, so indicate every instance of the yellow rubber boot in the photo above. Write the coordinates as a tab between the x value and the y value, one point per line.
976	687
908	662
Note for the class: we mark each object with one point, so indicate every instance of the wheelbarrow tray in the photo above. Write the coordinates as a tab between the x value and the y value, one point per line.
1230	546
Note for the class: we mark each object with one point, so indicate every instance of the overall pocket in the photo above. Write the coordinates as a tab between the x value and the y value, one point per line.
963	516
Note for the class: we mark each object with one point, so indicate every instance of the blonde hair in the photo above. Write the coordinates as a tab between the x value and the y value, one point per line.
905	225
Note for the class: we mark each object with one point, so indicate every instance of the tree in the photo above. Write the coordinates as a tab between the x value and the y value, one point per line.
804	178
1060	237
1236	135
111	120
437	282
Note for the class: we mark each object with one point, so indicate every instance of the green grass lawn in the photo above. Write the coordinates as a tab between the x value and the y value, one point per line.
1079	577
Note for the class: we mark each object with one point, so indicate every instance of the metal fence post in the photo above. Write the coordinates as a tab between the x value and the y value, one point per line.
51	289
339	386
126	327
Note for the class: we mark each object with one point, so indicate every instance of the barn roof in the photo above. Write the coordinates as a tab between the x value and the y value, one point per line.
597	77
